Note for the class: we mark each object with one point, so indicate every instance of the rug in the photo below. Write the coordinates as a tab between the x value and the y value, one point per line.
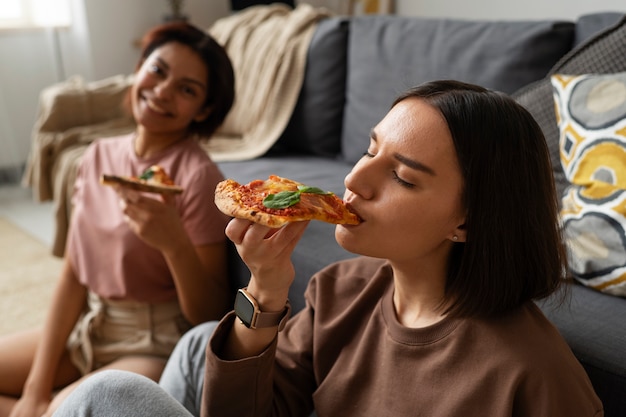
28	273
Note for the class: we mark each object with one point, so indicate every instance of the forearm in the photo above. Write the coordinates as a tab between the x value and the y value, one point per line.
267	252
200	275
66	306
199	272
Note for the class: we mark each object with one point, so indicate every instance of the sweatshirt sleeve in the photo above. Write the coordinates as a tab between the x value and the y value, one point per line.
278	382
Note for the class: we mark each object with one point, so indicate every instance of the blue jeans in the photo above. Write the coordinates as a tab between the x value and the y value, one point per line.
121	393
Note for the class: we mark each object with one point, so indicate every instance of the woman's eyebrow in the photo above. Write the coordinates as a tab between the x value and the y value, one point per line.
162	62
187	79
414	164
407	161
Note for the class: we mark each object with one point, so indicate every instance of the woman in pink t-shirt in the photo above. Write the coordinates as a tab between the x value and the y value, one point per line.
139	269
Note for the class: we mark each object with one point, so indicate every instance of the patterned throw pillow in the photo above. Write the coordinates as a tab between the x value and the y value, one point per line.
591	115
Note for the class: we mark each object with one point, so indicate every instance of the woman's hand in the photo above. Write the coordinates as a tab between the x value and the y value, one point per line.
267	253
155	221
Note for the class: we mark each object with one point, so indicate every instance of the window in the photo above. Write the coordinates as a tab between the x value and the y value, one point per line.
34	13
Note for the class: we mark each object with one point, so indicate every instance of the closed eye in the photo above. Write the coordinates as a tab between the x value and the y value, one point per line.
401	181
396	178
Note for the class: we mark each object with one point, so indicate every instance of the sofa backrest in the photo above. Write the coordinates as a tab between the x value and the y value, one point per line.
388	54
589	25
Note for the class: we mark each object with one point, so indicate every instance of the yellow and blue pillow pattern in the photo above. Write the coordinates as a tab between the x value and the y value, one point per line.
591	115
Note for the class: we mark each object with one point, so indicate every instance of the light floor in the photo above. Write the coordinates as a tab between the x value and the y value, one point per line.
18	206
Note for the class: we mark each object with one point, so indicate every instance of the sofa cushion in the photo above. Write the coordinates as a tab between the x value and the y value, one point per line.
591	115
388	54
593	325
315	125
604	53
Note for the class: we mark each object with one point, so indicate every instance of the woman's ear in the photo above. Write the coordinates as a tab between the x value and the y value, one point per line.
459	234
203	114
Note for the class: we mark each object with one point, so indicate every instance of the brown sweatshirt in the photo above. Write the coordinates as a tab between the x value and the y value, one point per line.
347	355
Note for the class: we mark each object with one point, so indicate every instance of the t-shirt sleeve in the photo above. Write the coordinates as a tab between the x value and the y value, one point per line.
201	218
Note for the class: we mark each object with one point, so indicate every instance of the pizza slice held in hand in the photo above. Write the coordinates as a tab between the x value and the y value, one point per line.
152	180
277	201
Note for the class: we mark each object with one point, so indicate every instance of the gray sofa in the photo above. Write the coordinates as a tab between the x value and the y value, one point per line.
355	68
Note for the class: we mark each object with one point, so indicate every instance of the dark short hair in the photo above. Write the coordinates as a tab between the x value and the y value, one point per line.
221	77
514	250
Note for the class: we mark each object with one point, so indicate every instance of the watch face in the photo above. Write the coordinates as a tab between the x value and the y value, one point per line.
244	309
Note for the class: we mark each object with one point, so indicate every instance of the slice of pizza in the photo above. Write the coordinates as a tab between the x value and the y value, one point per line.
277	201
152	180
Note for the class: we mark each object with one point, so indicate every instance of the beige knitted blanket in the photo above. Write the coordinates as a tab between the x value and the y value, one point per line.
268	47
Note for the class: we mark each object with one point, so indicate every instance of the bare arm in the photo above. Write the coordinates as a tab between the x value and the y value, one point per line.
201	280
200	273
67	303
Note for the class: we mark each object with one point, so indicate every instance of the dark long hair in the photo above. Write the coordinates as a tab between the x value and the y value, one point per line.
514	250
221	77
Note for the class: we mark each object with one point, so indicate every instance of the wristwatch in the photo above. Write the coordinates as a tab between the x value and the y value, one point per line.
248	312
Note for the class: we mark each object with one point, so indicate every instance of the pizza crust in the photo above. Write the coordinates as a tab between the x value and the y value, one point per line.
228	200
139	185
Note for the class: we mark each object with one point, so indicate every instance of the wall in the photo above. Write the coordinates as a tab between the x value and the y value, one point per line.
499	9
27	66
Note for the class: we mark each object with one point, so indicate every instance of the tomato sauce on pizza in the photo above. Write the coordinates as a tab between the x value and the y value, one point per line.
277	201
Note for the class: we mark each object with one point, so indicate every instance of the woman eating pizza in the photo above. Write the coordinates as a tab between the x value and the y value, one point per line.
458	235
140	269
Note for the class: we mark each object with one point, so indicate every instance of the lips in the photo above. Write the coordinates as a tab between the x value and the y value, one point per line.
352	210
155	107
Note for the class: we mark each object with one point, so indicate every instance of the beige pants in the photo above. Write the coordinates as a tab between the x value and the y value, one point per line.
109	330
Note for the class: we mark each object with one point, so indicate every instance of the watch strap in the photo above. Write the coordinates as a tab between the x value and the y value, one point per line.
264	319
268	319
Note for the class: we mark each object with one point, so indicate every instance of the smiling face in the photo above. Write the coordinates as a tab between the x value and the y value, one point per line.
407	188
170	90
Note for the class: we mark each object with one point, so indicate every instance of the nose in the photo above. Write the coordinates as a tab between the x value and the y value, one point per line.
163	89
360	180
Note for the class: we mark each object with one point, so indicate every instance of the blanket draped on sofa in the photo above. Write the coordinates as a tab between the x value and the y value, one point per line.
268	47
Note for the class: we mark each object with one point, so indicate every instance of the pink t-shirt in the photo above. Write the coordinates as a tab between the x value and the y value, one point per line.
107	256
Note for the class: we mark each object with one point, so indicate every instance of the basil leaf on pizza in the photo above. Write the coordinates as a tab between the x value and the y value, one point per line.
277	201
311	190
284	199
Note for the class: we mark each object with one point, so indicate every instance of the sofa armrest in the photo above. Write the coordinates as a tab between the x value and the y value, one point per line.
71	112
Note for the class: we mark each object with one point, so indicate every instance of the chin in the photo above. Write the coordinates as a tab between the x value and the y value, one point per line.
347	239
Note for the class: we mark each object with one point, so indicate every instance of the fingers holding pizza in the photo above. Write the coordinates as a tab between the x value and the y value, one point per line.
155	221
267	251
270	217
